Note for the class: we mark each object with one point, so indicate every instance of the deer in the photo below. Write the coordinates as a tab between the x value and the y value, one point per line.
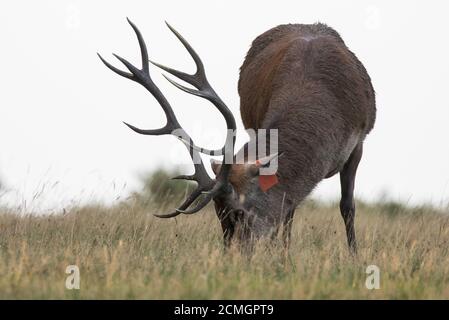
298	79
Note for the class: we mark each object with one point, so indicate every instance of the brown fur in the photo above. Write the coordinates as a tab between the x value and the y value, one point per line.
302	80
237	177
305	82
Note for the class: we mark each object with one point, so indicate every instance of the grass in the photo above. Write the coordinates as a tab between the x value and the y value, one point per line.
125	253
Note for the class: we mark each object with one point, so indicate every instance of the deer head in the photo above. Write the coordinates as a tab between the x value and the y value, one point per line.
239	191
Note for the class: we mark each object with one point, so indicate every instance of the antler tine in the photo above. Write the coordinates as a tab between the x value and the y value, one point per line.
143	47
194	92
168	215
116	70
195	56
198	80
198	207
133	69
195	80
193	196
142	76
150	132
209	196
205	90
183	177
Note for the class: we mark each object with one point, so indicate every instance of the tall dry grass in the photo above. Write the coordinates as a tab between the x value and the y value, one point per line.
124	252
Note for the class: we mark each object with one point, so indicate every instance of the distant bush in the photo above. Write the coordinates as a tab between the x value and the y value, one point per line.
159	188
393	208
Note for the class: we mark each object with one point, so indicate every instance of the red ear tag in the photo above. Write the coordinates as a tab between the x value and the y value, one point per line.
266	182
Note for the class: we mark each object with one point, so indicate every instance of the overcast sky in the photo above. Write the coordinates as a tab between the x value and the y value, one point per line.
61	135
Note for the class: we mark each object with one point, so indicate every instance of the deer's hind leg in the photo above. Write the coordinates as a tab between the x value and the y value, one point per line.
347	205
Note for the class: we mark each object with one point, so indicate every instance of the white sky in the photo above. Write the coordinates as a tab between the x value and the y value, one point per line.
61	109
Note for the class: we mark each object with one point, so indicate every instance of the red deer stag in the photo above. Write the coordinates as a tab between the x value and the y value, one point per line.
301	80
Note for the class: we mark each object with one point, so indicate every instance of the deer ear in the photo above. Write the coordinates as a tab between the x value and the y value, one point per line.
262	163
265	181
265	161
216	165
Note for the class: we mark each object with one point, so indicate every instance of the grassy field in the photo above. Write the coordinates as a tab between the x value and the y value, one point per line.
124	252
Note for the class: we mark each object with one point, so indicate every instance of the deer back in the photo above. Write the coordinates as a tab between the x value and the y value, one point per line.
305	82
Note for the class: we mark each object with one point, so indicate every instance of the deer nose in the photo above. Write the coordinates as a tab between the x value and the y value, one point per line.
239	214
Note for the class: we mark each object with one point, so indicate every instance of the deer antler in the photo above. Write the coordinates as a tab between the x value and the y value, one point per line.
142	76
